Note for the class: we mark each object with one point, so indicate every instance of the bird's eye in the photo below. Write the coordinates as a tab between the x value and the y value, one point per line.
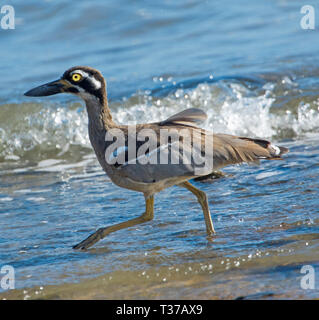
76	77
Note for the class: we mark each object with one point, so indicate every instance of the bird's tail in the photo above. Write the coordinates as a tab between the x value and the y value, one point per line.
230	149
274	152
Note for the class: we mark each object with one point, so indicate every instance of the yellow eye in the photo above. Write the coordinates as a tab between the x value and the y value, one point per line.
76	77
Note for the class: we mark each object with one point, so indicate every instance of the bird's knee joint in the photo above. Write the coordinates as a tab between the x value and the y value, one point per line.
202	196
147	217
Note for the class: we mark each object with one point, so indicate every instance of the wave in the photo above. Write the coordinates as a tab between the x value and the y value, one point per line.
277	109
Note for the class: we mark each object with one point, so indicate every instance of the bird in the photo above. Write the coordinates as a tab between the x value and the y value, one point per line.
155	168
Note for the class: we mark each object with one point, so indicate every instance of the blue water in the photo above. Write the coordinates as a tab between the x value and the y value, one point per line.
254	71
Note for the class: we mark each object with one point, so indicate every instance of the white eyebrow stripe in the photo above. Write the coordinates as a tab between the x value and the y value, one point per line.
97	84
81	72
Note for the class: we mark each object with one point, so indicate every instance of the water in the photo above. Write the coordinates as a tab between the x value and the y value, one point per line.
248	64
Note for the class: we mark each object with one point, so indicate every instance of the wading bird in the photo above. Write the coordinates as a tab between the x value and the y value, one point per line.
146	177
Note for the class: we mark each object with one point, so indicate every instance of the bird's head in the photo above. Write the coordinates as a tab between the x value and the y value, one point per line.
84	82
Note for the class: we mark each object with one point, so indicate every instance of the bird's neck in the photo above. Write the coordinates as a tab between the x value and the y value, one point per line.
100	118
100	121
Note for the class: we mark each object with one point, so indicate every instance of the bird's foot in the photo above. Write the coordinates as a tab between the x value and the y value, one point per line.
90	241
211	235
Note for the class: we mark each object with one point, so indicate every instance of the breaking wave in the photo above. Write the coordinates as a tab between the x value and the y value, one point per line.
277	109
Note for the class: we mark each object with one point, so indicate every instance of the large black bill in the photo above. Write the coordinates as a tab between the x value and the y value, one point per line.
47	89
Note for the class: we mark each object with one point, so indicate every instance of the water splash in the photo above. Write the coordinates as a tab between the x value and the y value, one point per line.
41	131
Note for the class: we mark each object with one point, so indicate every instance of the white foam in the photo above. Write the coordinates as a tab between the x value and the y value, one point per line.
36	199
48	163
264	175
23	191
231	108
5	199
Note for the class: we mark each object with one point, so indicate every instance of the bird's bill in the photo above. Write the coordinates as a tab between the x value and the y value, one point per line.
49	89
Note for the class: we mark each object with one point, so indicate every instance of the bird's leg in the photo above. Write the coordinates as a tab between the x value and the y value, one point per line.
202	199
102	232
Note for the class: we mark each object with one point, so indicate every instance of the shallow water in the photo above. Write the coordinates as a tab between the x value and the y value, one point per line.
244	65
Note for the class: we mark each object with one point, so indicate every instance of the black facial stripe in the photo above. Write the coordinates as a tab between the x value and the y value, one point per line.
86	83
72	90
89	87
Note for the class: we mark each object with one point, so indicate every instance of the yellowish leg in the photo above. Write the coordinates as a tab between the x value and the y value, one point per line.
202	199
102	232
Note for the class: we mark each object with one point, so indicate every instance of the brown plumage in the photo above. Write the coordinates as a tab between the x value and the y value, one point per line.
146	176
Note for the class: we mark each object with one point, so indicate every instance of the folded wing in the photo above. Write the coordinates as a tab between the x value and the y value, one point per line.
219	150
